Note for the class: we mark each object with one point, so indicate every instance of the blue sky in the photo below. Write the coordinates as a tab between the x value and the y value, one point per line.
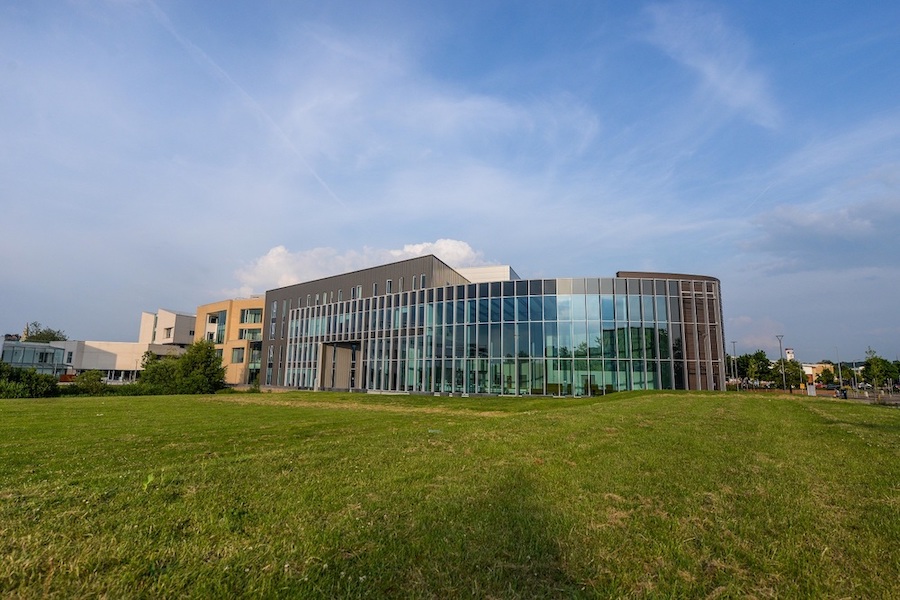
169	154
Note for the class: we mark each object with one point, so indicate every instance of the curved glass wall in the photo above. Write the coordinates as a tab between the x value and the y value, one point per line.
544	337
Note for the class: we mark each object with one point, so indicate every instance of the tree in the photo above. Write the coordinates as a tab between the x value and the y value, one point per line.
794	376
200	369
90	383
826	377
148	358
756	366
877	370
35	332
160	375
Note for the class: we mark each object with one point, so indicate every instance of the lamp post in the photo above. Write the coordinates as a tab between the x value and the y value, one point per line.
840	378
781	353
734	372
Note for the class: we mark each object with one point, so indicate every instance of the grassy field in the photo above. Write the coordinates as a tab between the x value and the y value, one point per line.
330	495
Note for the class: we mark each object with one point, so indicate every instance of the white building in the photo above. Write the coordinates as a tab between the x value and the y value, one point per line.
164	333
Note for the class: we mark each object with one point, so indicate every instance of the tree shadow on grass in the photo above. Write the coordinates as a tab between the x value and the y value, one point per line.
497	540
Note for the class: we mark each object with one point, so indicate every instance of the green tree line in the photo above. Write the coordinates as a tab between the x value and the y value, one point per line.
876	371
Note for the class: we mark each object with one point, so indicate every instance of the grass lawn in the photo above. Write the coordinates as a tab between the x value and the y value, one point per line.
340	495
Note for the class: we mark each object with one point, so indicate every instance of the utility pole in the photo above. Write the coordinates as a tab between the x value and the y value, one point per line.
840	379
781	353
734	372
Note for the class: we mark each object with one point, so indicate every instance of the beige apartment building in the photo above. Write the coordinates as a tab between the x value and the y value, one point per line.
235	327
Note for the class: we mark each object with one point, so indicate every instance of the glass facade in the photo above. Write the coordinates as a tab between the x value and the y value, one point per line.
558	337
43	358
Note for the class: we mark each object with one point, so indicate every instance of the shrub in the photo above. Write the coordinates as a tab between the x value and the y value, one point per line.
27	383
90	383
197	371
13	389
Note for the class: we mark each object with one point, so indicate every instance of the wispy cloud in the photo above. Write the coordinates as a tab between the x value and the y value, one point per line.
834	203
701	39
204	59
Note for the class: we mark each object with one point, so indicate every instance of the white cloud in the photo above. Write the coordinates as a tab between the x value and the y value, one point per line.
720	55
280	267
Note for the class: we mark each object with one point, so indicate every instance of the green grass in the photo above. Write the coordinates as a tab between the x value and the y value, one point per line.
339	495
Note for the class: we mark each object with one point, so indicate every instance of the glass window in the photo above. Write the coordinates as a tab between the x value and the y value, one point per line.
522	308
550	308
536	308
607	312
564	333
648	304
592	307
237	355
522	339
664	341
551	341
621	310
537	339
509	309
634	308
483	310
251	315
578	311
594	339
622	344
563	307
674	309
661	309
650	342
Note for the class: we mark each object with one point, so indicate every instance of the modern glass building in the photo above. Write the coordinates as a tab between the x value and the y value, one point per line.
421	326
42	357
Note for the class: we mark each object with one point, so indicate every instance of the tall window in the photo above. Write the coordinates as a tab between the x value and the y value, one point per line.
388	286
251	315
237	355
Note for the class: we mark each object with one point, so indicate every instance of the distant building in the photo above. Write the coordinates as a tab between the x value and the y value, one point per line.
166	327
120	362
164	333
236	329
421	326
42	357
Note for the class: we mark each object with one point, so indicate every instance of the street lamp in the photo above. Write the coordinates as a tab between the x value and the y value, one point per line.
840	378
781	353
734	372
